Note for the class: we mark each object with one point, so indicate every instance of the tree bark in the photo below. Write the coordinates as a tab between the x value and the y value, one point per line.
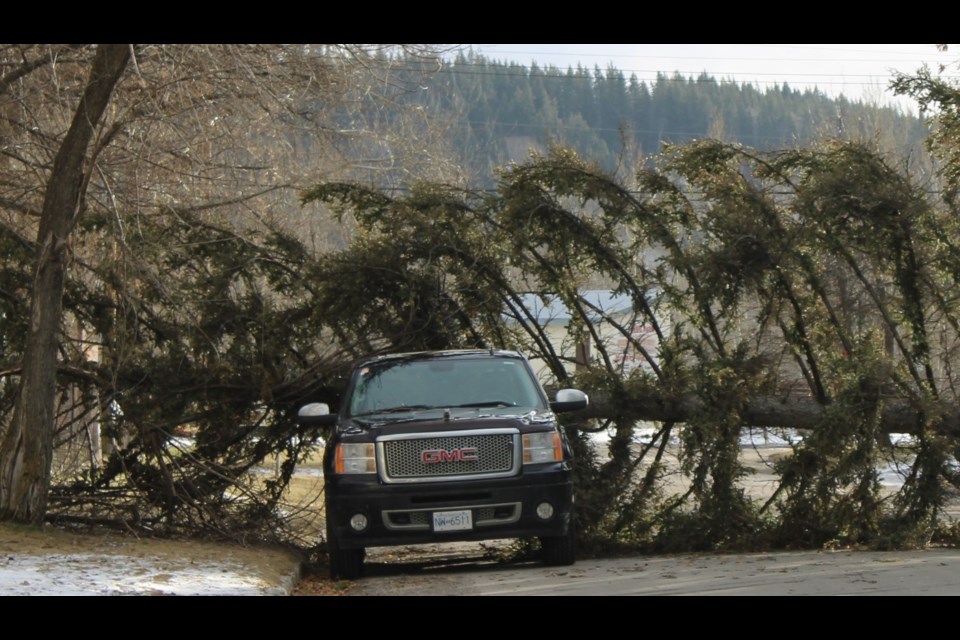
26	450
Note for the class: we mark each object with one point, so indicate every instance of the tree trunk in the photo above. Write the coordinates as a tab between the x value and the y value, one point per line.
27	447
792	412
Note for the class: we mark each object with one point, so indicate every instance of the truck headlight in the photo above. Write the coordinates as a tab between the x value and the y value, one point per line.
542	447
356	458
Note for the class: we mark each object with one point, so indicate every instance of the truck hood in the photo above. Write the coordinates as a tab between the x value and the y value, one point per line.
457	422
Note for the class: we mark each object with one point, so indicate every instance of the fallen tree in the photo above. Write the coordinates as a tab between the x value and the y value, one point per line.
807	289
896	415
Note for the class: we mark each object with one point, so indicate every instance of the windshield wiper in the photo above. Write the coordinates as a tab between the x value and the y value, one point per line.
486	403
400	409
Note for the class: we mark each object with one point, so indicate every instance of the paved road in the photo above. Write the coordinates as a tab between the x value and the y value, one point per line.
932	572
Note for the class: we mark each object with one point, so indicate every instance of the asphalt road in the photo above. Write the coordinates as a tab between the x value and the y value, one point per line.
934	572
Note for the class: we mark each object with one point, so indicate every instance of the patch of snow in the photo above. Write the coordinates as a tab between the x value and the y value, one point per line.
84	574
300	471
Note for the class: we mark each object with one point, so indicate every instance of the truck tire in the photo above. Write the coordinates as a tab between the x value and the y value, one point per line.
345	564
559	551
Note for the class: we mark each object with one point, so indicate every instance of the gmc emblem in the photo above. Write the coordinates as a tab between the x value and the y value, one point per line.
466	454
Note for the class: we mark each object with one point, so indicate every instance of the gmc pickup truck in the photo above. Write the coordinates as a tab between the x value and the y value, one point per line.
445	446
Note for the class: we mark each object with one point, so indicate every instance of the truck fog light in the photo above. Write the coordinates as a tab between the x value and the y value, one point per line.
359	522
544	510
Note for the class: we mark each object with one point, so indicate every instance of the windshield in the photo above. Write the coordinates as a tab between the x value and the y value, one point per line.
445	384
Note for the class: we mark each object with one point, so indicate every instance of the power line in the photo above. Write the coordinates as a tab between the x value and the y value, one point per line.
843	81
903	57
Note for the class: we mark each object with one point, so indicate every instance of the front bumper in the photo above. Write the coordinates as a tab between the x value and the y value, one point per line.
403	514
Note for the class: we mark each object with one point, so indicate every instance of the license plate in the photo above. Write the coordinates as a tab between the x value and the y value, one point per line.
452	520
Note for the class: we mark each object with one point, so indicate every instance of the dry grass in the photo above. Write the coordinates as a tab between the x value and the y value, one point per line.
303	500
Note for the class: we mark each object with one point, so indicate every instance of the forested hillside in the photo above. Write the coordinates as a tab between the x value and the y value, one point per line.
497	110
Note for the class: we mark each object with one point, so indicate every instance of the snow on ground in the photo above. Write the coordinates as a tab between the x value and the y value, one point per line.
48	561
83	574
891	474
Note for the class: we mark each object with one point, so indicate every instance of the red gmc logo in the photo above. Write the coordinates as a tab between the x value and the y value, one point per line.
466	454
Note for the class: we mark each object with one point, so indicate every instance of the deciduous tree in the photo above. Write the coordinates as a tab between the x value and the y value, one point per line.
179	208
26	451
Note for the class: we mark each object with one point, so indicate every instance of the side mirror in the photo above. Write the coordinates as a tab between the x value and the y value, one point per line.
569	400
316	414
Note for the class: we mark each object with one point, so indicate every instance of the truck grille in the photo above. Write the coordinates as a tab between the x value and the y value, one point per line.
454	456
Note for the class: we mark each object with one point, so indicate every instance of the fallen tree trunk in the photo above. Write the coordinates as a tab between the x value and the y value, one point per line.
793	412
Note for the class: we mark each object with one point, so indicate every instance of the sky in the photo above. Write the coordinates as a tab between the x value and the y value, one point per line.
857	71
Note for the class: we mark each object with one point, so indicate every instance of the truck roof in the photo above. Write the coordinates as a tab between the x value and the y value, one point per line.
448	353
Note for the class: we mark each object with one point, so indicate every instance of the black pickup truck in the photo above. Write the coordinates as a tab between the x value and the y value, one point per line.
446	446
